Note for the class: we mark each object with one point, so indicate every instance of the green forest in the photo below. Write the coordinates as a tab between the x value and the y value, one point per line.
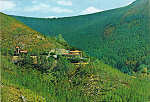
119	41
119	37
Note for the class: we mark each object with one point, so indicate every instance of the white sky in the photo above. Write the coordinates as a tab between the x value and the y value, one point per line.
58	8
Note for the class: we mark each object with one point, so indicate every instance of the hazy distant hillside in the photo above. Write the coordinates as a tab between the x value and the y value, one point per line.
119	37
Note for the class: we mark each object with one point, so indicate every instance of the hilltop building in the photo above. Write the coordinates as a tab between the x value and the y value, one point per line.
19	51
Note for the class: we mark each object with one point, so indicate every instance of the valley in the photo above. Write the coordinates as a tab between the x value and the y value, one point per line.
101	57
118	37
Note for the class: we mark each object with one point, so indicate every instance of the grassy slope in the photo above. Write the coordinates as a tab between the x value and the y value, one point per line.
14	33
95	82
120	37
11	88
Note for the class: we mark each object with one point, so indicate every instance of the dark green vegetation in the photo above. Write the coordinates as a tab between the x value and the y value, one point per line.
58	80
119	37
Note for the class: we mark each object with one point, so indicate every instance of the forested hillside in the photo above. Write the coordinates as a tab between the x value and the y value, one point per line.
58	80
119	37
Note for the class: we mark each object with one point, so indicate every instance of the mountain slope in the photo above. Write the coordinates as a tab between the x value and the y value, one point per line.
14	33
95	82
120	37
65	82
